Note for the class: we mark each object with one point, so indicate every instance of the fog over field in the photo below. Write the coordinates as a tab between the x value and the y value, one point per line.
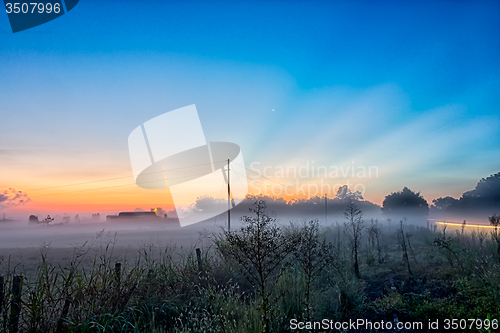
475	206
340	257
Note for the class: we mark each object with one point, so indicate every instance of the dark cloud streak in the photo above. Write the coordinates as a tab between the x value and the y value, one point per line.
12	198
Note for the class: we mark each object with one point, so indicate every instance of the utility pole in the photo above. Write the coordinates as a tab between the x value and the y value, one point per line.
228	200
326	209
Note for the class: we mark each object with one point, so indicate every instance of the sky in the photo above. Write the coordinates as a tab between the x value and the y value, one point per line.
409	89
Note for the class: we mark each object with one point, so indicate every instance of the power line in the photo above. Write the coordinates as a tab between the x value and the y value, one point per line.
115	178
238	178
107	187
125	185
260	175
258	181
265	177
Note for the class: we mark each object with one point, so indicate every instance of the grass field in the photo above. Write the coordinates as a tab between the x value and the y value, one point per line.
255	279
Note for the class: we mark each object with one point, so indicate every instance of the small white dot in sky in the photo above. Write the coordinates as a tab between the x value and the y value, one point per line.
273	109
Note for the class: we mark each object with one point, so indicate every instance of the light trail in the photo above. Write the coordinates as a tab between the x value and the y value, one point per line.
472	223
467	225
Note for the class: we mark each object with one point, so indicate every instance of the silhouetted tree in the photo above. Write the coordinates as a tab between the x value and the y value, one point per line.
485	195
33	219
260	247
444	203
305	208
495	234
403	239
354	228
344	193
313	254
448	244
404	203
487	190
374	232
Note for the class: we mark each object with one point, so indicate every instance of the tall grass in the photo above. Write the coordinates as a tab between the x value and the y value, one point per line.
162	289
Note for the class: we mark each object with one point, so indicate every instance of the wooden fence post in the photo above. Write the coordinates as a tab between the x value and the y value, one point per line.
118	271
1	293
15	308
200	263
64	314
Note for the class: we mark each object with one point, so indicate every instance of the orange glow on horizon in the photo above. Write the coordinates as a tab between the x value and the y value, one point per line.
115	192
90	200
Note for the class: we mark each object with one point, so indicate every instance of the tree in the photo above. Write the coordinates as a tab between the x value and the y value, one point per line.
313	255
444	203
374	233
405	202
344	193
260	248
495	234
406	260
448	244
488	189
354	228
485	195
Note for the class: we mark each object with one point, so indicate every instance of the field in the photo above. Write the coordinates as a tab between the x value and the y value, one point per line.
261	277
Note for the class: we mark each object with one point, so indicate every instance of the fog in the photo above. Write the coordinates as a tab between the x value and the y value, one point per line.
128	234
137	233
65	231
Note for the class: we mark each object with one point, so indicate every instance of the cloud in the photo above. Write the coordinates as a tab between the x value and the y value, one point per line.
12	197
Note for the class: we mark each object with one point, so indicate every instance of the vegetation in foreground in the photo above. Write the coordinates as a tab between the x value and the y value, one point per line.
258	278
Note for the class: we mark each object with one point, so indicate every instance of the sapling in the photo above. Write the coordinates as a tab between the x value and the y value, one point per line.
354	228
313	254
260	247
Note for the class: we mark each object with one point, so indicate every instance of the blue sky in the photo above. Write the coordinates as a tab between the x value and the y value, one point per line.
411	87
